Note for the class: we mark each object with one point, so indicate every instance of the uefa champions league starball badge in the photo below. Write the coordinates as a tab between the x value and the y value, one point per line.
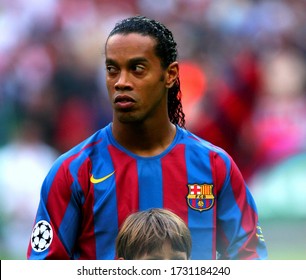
42	235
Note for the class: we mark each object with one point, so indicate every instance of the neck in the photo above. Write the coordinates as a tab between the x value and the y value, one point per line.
144	139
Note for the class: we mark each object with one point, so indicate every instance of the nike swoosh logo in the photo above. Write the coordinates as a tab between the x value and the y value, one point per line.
95	181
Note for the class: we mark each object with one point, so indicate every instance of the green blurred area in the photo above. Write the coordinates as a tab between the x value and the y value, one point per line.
285	238
280	195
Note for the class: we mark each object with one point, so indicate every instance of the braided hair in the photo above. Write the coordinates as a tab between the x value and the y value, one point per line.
167	52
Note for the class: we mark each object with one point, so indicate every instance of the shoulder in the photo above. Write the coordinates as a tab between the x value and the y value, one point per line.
86	148
198	144
205	152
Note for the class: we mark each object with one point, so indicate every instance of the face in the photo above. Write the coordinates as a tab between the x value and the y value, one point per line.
136	82
166	253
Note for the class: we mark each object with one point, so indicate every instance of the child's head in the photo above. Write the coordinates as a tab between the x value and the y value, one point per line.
153	234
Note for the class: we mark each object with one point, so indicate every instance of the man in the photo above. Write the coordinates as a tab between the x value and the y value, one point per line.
144	159
153	234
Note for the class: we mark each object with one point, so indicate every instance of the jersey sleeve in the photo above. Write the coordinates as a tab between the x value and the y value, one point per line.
239	235
57	220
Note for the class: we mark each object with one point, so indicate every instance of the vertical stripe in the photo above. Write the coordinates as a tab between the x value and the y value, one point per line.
150	183
57	203
174	182
219	174
201	223
105	205
59	195
249	216
126	183
87	239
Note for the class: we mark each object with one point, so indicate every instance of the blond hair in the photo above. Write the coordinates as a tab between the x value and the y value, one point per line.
146	231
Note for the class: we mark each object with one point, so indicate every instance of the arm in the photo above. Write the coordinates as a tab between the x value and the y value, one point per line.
58	209
238	232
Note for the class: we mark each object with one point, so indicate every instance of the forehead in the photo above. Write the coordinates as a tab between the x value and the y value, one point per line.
166	252
129	45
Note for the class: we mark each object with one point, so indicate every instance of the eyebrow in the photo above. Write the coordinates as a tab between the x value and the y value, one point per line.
132	61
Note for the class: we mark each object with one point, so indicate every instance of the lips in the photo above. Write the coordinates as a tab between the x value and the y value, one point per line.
124	102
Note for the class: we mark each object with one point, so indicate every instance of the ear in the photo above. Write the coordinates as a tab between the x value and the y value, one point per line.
172	74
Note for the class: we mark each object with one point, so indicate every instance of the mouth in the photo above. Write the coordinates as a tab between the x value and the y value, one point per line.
123	102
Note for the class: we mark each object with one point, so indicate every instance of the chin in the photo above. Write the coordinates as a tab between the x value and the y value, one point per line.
129	117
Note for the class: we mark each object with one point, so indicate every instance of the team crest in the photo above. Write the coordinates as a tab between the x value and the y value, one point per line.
200	197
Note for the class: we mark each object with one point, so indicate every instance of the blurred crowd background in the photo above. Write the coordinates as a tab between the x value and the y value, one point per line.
243	79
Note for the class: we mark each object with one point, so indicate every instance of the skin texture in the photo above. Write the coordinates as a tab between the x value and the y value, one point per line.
166	253
138	87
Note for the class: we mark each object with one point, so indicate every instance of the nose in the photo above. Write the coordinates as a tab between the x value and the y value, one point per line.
123	82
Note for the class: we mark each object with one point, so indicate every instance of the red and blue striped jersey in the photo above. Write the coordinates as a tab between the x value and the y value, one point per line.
92	188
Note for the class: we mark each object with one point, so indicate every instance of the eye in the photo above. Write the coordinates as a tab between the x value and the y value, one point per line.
110	69
138	68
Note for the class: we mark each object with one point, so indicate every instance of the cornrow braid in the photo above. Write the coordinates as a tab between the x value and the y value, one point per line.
166	50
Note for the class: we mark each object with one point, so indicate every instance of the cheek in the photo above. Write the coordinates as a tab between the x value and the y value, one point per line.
156	90
110	86
108	83
154	86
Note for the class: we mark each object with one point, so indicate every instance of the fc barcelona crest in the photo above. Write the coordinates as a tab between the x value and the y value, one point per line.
200	197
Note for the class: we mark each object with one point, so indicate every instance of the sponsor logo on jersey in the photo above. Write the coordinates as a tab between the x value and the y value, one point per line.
99	180
200	196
